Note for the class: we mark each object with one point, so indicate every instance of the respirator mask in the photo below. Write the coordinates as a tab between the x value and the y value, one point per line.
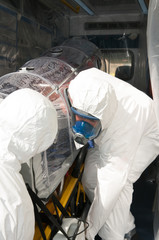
85	127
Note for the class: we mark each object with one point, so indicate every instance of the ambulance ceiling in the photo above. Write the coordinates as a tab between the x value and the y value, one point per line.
86	14
82	7
97	7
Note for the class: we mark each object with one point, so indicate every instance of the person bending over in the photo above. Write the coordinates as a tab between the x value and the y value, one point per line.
123	124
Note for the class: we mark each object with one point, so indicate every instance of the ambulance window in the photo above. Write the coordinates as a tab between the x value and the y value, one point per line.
119	63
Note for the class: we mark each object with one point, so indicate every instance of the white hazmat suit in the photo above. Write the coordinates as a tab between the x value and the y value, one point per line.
127	144
28	126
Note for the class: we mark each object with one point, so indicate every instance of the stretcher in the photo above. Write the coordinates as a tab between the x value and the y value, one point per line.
53	178
64	215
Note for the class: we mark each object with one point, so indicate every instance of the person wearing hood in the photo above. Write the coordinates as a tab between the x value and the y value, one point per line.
122	121
28	126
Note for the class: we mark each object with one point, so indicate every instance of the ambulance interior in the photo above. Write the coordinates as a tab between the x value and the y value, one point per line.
45	44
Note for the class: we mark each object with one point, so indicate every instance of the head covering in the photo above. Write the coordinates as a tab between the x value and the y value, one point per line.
90	92
28	126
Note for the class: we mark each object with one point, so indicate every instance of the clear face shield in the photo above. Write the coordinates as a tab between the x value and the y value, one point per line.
85	127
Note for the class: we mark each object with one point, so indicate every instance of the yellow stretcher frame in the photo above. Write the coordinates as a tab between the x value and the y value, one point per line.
72	188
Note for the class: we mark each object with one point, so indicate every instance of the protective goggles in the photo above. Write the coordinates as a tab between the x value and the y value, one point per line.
85	127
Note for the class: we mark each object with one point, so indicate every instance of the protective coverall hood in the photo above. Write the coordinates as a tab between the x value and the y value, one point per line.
28	125
100	101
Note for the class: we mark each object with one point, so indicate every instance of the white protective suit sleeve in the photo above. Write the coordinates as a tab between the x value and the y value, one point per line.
126	115
120	219
28	126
